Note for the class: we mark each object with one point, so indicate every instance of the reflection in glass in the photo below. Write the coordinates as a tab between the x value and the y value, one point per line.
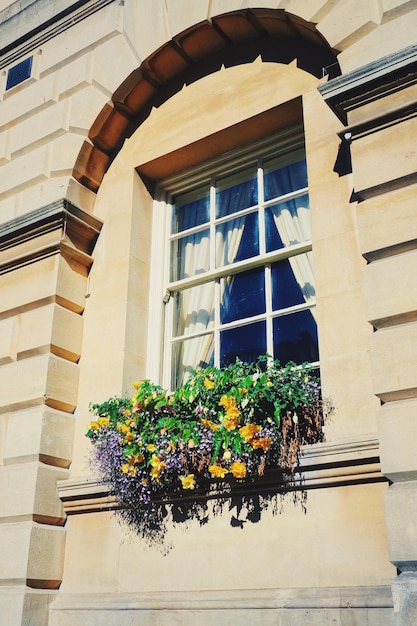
245	342
191	209
278	182
242	295
295	338
237	192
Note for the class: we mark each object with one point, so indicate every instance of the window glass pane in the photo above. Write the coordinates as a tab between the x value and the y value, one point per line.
189	354
292	281
190	255
236	192
287	223
242	295
295	338
194	309
280	180
191	209
246	342
237	239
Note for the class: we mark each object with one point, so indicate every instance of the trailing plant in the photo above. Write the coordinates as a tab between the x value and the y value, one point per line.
225	425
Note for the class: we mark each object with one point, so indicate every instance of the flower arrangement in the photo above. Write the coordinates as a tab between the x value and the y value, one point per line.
228	424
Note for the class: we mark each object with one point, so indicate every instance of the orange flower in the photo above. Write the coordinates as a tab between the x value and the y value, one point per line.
129	470
227	402
238	469
262	442
247	432
130	437
218	471
210	424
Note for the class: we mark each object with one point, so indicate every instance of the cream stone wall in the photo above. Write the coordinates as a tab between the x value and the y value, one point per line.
74	320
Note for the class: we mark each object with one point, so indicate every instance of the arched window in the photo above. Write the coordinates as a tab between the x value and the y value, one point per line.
238	265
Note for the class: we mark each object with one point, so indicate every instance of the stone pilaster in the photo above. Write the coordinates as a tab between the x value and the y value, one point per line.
378	105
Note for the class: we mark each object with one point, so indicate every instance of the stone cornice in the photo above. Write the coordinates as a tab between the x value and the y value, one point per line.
321	465
57	227
26	25
370	82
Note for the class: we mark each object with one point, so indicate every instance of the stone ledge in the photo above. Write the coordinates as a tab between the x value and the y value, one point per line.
300	598
321	465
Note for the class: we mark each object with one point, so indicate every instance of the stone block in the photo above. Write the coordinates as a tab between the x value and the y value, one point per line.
20	605
71	285
401	521
73	76
391	289
404	592
85	106
386	222
29	492
394	362
145	40
397	430
39	433
29	168
349	21
64	151
32	554
28	284
399	162
49	327
192	13
38	379
82	38
113	61
35	97
40	127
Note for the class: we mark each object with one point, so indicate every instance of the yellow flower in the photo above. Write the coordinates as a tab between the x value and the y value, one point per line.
130	437
157	466
247	432
238	469
227	455
208	384
150	447
227	402
218	471
103	421
129	470
191	444
136	385
94	425
122	428
269	383
188	482
126	412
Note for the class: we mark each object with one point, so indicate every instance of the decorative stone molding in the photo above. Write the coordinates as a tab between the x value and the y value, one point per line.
321	465
370	83
57	227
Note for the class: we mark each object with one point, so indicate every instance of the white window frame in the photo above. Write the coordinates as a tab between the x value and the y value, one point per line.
161	303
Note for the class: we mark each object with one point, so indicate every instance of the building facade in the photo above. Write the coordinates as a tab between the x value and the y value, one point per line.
110	113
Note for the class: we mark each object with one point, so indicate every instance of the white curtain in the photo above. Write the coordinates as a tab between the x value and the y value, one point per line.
292	220
195	306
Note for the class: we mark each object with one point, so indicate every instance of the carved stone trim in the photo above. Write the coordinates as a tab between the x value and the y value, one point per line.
321	465
370	82
23	240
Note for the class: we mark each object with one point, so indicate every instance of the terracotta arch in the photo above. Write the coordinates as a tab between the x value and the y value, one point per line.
229	39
